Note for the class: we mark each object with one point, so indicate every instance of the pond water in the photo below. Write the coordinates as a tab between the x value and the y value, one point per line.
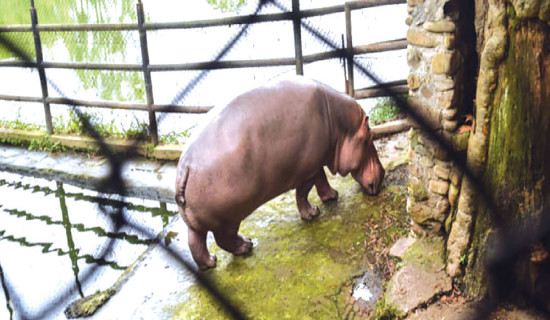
191	88
59	242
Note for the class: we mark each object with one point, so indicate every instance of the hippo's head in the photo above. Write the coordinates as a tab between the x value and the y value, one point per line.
359	157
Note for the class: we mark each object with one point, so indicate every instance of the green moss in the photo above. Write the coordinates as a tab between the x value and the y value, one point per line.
417	190
300	270
425	251
413	136
87	306
516	152
385	311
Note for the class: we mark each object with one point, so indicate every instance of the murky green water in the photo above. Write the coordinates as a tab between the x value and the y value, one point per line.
59	243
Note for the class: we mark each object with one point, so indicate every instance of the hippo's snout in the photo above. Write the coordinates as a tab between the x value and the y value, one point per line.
372	188
372	185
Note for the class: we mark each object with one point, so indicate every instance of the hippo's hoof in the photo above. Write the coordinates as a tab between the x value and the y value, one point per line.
211	263
331	196
311	213
245	246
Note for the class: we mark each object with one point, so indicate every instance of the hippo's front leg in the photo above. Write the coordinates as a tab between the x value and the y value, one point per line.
307	211
324	190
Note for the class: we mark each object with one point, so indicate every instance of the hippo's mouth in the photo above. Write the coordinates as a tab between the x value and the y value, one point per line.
371	189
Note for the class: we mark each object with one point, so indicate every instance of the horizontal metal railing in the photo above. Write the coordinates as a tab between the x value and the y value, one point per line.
146	68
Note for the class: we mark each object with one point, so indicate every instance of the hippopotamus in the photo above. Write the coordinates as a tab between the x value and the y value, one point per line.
265	142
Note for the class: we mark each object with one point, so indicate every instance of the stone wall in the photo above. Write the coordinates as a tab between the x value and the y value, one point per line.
436	58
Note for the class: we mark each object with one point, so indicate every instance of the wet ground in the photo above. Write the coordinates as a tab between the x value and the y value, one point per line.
307	270
59	242
301	269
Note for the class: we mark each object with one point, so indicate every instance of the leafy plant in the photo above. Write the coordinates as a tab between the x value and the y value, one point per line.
386	109
18	124
226	5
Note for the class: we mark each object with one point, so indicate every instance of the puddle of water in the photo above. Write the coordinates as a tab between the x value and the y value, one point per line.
59	242
368	289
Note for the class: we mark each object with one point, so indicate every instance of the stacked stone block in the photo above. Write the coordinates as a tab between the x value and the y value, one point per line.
435	92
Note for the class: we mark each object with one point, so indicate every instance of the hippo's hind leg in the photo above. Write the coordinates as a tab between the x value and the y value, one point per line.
307	211
196	239
199	251
230	240
324	190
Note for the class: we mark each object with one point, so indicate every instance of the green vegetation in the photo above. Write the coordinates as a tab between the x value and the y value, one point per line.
227	5
106	47
46	145
386	109
18	124
138	130
73	126
383	311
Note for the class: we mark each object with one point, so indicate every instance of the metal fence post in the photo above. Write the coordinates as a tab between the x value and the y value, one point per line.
349	52
297	24
147	73
40	67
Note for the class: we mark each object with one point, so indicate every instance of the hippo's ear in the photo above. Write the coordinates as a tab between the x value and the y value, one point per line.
364	130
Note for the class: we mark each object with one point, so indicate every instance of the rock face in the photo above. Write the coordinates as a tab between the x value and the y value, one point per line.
439	55
447	312
421	278
413	286
400	247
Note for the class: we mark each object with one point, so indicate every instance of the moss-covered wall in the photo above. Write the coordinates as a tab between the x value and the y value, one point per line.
517	167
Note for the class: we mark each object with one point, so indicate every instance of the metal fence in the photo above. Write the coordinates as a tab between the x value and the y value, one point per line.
295	15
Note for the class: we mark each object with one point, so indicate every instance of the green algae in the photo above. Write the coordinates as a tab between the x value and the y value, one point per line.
87	306
298	269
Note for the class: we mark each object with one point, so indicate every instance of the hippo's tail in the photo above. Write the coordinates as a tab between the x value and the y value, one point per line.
181	183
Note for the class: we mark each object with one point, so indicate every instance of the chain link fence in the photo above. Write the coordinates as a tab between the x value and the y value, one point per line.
123	46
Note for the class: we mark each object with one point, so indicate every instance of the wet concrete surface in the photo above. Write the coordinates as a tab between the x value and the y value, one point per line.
143	178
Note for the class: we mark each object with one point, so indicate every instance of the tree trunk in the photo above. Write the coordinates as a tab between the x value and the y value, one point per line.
517	161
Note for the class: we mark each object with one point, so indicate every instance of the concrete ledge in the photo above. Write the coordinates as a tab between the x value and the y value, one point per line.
170	152
143	178
24	135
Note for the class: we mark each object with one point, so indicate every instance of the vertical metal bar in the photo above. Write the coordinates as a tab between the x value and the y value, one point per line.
297	23
147	72
349	53
344	60
40	66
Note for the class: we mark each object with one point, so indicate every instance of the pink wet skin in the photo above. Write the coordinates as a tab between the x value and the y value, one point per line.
263	143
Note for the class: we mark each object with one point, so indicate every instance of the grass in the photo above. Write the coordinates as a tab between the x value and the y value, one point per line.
137	131
18	124
385	110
